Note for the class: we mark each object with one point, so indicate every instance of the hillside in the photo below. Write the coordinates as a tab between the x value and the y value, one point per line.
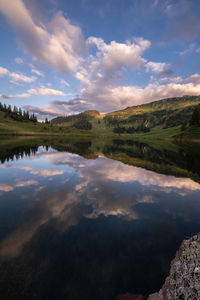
8	126
166	119
164	113
159	114
73	118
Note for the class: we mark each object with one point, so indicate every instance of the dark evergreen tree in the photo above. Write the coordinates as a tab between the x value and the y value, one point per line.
195	119
83	123
119	130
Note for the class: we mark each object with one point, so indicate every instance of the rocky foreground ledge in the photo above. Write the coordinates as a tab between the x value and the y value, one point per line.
183	281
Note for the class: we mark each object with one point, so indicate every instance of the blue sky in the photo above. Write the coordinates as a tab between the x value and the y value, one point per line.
63	57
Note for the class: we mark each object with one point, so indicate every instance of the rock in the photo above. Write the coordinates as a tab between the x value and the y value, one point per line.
184	278
183	281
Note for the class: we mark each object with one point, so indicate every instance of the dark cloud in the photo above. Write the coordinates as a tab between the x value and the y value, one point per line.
61	108
40	111
74	101
75	105
166	73
5	97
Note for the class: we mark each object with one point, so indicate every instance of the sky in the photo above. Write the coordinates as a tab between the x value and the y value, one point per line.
64	57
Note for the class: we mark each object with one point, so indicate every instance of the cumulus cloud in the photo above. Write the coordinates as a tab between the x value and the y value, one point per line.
155	67
16	77
195	79
39	172
102	179
3	71
43	91
160	68
106	97
60	45
57	44
123	96
24	183
46	172
113	56
19	184
6	187
100	72
177	79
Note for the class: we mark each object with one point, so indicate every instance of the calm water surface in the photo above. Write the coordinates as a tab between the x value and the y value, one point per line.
78	228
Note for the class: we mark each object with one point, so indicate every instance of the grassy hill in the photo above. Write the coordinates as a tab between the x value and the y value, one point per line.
154	116
154	122
8	126
69	120
163	113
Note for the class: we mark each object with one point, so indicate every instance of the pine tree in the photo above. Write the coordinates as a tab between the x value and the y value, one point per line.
195	119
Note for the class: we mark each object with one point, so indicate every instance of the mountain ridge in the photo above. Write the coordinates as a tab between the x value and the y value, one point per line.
167	112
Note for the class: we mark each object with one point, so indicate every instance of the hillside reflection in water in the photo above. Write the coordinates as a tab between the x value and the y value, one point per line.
79	228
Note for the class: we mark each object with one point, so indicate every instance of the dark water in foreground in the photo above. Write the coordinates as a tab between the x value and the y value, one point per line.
92	226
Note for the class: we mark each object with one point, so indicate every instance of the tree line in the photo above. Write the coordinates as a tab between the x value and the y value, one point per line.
17	114
131	129
83	123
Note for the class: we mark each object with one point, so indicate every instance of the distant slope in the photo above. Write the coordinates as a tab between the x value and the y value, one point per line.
164	113
159	114
168	104
8	126
73	118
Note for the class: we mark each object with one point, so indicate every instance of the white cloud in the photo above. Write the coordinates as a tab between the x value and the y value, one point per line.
156	67
101	72
46	172
195	79
43	91
3	71
57	44
38	172
112	57
6	187
26	183
176	79
19	184
122	96
16	77
23	95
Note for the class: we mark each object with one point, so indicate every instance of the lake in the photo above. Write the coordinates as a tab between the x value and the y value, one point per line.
93	219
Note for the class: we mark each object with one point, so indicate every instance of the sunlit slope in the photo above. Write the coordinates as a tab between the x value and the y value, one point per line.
163	113
168	105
